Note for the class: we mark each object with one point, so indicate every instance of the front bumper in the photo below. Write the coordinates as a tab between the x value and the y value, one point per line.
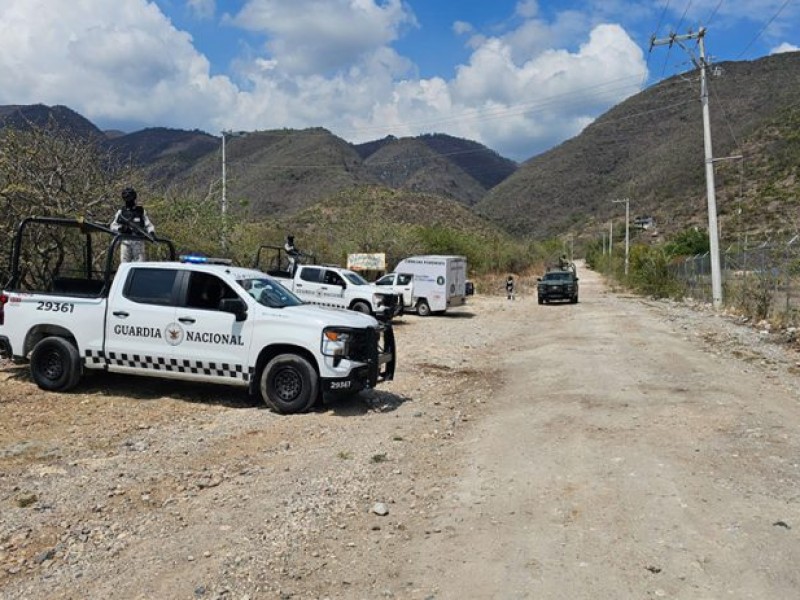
556	292
375	348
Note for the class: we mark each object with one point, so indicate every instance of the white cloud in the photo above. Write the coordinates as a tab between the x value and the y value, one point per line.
120	61
784	47
202	9
462	28
326	63
527	8
319	36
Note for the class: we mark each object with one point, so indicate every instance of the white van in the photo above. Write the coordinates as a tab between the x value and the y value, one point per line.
427	284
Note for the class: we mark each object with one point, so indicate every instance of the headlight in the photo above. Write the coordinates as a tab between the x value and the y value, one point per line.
377	299
335	342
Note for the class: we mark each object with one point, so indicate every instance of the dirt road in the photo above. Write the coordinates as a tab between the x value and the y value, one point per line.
612	449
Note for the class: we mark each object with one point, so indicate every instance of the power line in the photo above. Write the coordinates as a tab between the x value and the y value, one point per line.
763	29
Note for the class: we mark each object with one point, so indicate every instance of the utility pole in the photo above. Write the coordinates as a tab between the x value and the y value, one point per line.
224	204
610	236
713	231
627	202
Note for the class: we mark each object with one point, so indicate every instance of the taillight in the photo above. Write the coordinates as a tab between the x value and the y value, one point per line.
3	300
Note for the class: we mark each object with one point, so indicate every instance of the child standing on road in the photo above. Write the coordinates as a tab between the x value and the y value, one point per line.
510	287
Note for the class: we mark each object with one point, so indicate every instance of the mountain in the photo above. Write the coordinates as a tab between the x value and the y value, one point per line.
42	116
479	162
167	152
282	171
410	164
649	148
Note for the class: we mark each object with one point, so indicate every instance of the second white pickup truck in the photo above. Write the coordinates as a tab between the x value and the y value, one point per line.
332	286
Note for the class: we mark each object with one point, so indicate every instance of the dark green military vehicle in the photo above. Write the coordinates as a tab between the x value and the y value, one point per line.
558	284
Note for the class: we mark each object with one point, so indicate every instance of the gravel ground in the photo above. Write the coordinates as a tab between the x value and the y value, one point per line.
143	488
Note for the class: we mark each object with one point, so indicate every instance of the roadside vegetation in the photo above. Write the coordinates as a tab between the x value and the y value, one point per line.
761	283
46	172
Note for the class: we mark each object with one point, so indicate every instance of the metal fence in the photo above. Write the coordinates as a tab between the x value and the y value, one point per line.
765	277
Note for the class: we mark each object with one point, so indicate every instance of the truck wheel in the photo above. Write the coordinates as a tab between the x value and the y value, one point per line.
423	308
288	384
574	299
540	301
362	307
55	364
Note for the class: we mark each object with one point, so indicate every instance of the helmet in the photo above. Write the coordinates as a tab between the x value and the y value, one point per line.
290	239
129	196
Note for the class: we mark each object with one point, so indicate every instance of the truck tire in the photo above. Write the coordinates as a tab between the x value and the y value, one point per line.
362	307
541	301
55	364
574	299
423	308
288	384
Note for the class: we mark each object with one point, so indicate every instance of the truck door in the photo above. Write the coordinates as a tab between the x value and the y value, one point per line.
308	283
401	284
331	291
405	287
208	343
138	321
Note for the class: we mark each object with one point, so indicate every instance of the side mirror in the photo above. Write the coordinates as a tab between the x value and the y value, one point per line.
235	306
538	279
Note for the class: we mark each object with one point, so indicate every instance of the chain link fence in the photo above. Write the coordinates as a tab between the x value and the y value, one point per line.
762	280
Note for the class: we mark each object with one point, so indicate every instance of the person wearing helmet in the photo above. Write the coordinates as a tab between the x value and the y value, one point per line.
292	253
131	221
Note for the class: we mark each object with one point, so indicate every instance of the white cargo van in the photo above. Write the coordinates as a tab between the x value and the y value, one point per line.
431	283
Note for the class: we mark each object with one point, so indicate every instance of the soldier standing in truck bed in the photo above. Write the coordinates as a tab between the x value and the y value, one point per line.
131	219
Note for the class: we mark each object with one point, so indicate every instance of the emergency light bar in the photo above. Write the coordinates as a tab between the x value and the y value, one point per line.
204	260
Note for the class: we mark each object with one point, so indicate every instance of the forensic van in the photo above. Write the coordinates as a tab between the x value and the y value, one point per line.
428	284
187	319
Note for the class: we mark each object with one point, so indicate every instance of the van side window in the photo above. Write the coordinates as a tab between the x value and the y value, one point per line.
404	279
385	280
151	286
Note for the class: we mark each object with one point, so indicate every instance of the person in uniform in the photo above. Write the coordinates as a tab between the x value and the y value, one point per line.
132	220
510	287
292	253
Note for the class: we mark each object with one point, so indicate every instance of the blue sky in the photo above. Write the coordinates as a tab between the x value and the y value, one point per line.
517	75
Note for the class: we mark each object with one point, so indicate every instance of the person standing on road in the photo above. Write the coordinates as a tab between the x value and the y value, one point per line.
510	287
132	220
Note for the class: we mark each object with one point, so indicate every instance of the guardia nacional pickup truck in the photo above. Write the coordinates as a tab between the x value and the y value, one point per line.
188	320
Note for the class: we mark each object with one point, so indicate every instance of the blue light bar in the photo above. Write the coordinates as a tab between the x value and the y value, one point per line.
204	260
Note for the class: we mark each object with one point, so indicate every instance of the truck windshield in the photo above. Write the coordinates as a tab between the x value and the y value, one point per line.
268	292
558	277
355	278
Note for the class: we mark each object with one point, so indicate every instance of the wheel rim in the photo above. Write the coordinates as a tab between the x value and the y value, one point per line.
50	365
288	384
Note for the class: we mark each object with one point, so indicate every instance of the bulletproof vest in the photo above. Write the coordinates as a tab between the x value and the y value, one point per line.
133	215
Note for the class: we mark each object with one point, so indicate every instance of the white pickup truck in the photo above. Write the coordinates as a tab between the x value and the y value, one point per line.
332	286
183	320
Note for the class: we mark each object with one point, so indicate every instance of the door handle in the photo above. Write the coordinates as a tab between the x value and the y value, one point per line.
121	313
186	320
